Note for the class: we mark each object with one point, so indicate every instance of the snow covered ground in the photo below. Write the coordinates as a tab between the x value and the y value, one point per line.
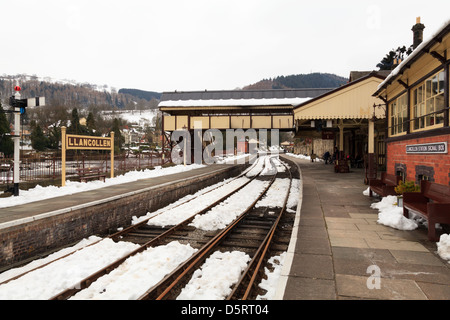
143	270
391	215
140	117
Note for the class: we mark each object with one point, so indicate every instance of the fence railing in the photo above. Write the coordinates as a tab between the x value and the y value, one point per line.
40	166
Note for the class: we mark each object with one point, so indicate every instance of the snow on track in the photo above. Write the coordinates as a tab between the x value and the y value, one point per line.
138	273
66	273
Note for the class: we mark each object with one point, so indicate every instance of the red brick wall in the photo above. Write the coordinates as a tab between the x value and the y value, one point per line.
438	165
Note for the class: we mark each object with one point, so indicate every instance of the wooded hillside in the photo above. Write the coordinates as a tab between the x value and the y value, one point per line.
312	80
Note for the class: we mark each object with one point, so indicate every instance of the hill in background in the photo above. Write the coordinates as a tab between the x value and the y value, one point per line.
72	94
312	80
141	94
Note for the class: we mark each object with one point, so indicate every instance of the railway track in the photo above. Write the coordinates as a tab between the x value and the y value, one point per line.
252	171
259	231
149	236
254	231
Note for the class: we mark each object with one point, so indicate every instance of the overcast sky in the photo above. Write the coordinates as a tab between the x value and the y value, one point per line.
187	45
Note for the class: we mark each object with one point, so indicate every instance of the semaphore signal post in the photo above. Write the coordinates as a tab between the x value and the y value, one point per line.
19	107
78	142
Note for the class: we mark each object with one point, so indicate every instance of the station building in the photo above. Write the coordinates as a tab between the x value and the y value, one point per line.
416	96
341	122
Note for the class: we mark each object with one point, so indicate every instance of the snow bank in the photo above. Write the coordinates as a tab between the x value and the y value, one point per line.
444	247
71	187
391	215
294	194
214	279
270	284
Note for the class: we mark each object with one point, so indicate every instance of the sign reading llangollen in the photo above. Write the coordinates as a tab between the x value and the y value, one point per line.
71	141
85	142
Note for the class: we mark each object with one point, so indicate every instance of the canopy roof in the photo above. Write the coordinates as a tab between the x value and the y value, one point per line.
238	98
351	101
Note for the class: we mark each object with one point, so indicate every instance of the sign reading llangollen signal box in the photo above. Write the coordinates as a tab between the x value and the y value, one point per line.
77	142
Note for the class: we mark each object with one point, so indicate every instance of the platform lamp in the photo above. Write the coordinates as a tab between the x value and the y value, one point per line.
374	117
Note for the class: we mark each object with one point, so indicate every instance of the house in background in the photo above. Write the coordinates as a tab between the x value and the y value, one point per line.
416	95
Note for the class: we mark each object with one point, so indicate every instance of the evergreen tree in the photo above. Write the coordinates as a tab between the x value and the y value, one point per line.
6	143
54	137
90	124
74	127
394	58
119	140
39	141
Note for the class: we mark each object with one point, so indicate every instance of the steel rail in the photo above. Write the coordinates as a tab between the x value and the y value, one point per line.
162	289
254	267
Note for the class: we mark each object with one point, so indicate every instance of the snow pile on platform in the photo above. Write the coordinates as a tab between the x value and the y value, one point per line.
391	215
71	187
444	247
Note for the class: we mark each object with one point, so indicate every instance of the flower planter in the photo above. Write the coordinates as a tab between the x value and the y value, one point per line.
400	201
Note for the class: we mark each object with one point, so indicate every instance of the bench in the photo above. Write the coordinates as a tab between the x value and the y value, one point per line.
86	174
431	203
341	166
385	186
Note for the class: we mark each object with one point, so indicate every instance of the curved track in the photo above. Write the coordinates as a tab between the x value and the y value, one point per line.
260	230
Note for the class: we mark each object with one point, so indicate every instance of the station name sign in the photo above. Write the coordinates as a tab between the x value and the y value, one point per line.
433	148
85	142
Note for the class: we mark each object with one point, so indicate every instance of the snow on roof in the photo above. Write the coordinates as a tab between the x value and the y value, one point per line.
233	102
413	55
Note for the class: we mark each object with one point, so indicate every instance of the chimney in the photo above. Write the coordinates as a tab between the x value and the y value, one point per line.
418	33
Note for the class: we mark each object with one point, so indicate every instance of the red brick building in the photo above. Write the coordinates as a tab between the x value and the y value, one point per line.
416	94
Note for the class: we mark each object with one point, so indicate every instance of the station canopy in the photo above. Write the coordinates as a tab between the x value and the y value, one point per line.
195	100
351	101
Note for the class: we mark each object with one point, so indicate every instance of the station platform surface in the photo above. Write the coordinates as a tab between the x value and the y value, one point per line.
340	249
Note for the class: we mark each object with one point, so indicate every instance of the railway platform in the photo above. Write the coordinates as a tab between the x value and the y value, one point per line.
31	211
339	251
